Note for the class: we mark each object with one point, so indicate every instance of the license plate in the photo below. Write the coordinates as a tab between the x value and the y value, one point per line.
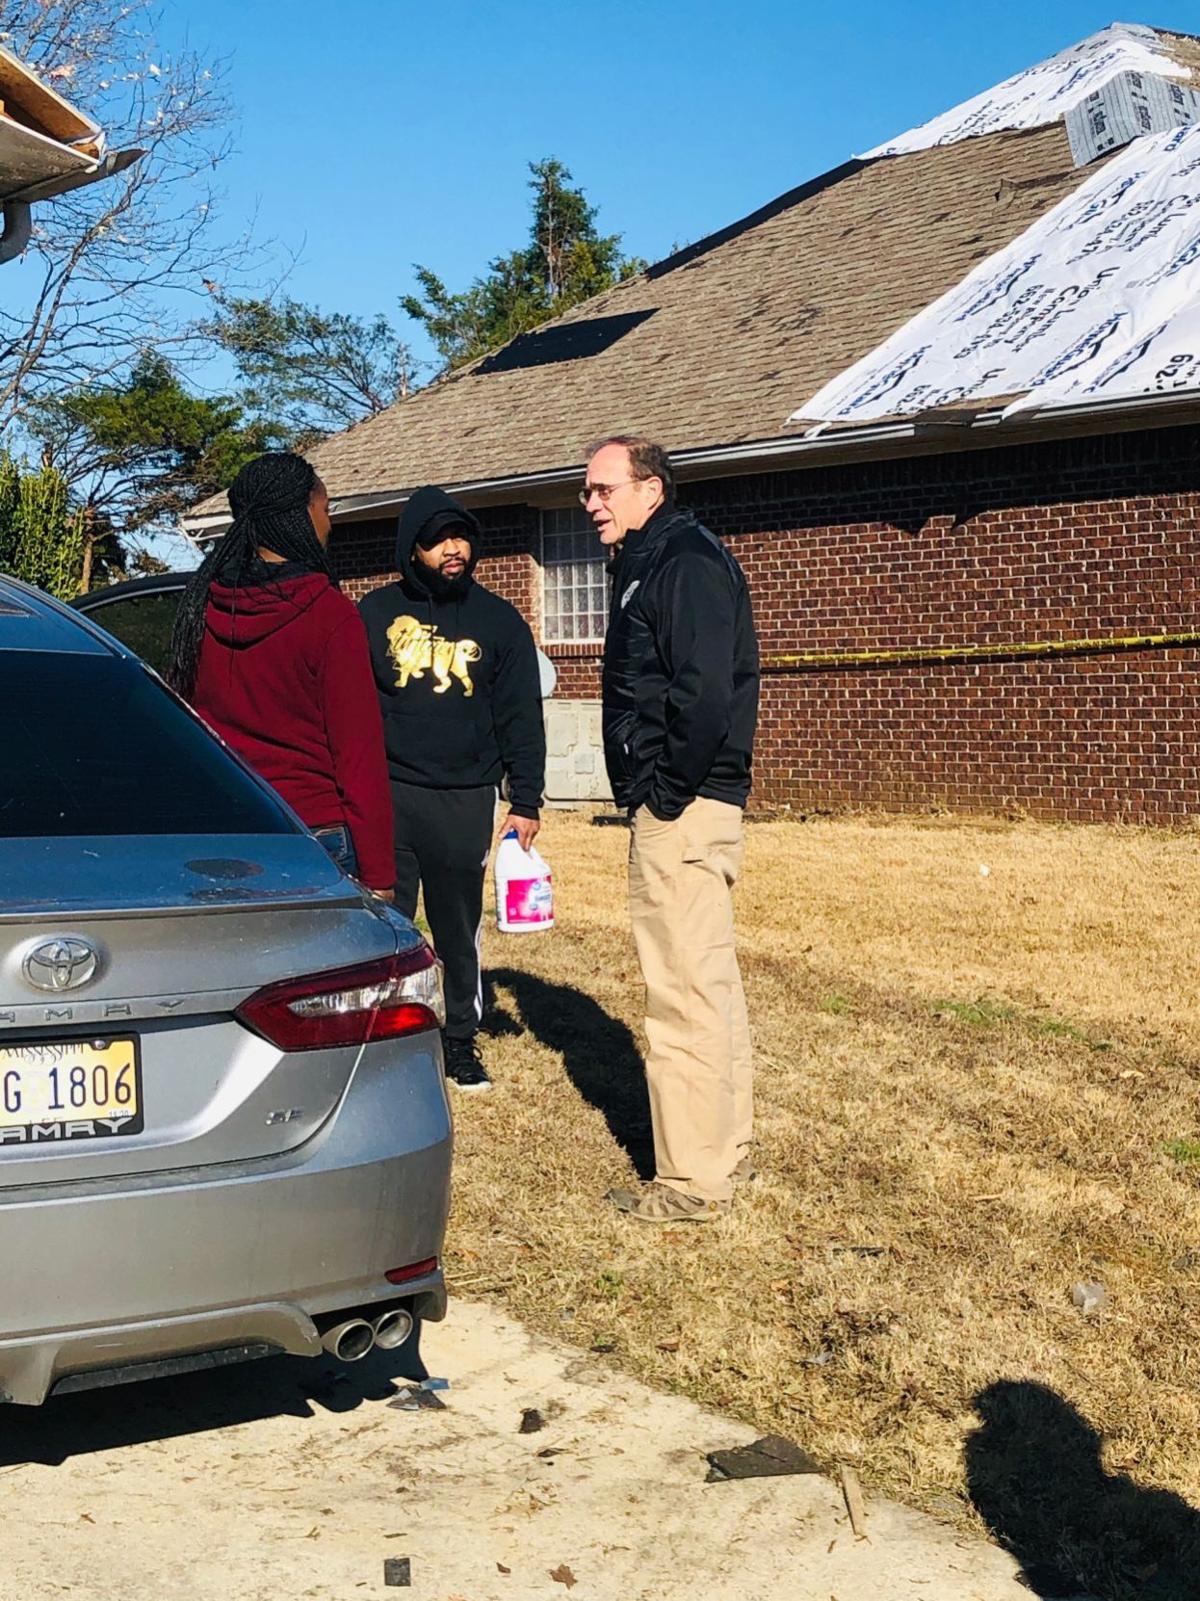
69	1090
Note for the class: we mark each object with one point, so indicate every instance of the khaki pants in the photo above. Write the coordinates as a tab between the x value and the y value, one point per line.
698	1068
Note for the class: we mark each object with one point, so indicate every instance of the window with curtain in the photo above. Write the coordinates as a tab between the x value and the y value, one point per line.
574	579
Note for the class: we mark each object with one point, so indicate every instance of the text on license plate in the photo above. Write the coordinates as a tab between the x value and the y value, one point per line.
69	1090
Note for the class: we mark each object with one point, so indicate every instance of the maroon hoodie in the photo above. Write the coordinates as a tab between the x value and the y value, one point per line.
285	678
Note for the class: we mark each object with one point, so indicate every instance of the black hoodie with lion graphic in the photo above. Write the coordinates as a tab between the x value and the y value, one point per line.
456	670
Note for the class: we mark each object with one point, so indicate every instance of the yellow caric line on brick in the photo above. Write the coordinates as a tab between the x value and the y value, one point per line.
960	653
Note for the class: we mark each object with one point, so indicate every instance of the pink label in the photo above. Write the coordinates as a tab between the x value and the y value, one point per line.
529	900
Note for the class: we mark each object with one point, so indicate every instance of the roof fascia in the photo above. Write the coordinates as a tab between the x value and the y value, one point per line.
918	436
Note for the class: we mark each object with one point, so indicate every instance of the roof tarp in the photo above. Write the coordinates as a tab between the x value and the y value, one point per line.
1046	92
1085	298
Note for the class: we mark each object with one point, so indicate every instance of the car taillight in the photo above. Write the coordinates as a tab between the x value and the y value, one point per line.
350	1005
414	1270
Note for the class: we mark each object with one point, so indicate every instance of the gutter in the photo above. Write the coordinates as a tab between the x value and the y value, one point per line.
107	167
929	433
18	229
15	208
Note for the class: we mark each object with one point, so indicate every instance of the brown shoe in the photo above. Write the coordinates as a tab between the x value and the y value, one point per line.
745	1172
659	1203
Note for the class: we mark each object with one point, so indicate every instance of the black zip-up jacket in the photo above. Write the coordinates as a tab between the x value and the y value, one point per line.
680	670
457	677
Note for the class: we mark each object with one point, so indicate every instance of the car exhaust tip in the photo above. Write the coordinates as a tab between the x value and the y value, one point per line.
349	1341
393	1328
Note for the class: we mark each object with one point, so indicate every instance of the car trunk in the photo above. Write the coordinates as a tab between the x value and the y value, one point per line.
180	929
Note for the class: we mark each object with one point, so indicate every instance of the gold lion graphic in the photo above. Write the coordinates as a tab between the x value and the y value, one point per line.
415	647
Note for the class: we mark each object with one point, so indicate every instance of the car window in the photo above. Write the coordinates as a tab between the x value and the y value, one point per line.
95	745
142	622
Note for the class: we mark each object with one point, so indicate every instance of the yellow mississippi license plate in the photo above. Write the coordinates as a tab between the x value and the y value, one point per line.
69	1090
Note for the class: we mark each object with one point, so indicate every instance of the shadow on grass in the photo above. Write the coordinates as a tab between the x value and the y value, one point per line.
1035	1475
91	1421
599	1053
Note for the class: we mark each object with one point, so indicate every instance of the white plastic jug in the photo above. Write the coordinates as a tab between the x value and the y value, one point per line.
524	889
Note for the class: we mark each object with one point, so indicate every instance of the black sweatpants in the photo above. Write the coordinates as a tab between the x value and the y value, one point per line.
443	837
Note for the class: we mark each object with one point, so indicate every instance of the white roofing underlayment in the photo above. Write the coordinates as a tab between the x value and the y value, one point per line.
1046	92
1099	299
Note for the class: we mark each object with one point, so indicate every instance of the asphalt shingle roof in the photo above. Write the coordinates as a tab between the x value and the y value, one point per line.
720	343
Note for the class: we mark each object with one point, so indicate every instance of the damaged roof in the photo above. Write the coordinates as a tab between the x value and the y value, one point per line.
718	344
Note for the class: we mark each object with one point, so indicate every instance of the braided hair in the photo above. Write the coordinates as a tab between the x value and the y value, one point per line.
269	500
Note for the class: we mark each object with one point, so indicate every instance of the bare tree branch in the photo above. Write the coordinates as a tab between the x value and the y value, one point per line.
130	263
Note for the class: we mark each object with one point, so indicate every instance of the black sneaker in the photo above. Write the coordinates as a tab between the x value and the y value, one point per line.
463	1064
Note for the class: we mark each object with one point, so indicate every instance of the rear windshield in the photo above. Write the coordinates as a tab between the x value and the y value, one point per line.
93	745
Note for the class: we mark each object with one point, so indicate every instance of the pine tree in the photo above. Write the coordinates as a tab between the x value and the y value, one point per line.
565	262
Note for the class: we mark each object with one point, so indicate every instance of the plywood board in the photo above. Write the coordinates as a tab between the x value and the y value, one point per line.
37	102
27	158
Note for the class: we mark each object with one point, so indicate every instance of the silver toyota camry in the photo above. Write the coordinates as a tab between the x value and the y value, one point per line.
224	1129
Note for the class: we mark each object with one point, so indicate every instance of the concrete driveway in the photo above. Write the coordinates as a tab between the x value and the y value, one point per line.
289	1479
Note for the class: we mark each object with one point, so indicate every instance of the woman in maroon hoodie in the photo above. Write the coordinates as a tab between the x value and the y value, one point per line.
275	658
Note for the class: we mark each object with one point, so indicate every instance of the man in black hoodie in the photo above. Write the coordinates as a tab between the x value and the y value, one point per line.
457	673
680	693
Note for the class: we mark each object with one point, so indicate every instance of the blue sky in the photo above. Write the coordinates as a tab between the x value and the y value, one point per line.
378	133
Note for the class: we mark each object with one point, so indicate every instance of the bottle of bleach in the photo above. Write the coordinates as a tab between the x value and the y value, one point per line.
524	890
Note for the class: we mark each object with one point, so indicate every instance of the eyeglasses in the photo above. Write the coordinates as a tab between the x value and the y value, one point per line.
604	490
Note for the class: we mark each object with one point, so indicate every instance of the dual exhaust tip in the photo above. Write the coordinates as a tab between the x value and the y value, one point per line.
352	1338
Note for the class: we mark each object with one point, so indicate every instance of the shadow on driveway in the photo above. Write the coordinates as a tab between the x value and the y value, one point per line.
1035	1474
599	1053
90	1421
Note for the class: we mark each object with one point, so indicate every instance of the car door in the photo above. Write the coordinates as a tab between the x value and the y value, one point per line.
140	613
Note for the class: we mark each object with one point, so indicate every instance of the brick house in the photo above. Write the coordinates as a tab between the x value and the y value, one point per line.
956	608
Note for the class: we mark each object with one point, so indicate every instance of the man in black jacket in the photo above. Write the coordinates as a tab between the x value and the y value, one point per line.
680	709
457	673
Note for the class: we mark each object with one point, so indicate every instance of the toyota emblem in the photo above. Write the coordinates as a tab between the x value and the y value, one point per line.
61	964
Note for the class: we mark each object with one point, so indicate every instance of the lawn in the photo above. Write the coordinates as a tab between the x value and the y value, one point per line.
976	1051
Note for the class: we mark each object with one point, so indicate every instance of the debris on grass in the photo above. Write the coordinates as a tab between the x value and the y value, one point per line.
817	1359
1089	1297
532	1421
767	1458
563	1575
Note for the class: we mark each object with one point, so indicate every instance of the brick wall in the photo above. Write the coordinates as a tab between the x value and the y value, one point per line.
1087	538
364	555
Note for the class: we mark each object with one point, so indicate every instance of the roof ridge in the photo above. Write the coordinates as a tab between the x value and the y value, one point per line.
1174	33
783	202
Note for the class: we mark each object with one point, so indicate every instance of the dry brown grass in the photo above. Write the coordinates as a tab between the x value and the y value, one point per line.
979	1074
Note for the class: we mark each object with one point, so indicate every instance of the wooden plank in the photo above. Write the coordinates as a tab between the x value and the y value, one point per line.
41	105
855	1505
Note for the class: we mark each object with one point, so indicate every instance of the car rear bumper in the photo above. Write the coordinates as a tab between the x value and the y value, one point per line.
114	1273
